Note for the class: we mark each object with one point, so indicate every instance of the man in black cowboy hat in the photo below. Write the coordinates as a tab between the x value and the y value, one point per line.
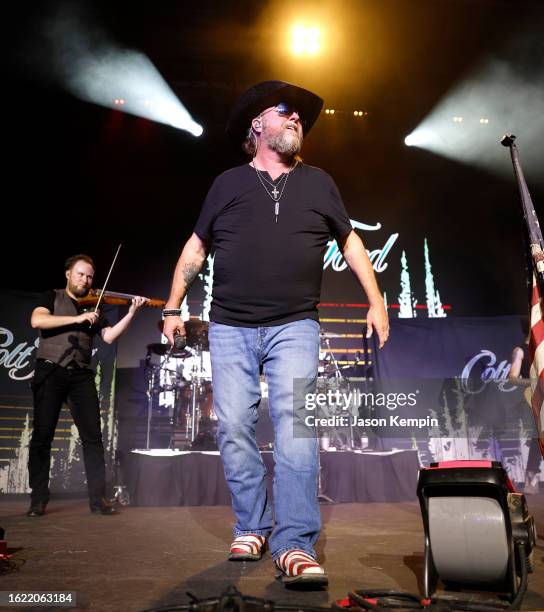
269	222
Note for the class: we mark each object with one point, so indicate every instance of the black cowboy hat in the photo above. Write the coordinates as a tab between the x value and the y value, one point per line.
266	94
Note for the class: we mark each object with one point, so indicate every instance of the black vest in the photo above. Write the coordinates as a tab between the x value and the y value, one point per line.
63	345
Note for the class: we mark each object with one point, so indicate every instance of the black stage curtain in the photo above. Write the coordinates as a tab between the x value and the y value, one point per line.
197	479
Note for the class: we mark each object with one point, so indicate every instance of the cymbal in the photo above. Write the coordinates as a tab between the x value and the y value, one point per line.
159	348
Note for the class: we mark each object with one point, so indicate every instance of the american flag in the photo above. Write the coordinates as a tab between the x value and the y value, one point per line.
535	244
536	361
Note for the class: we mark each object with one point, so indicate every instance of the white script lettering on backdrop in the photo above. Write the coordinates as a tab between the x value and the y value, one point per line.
492	371
333	256
16	358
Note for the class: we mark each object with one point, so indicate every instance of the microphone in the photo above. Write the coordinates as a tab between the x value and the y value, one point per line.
180	342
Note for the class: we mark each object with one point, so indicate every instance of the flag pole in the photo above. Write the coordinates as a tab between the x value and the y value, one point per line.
534	233
535	244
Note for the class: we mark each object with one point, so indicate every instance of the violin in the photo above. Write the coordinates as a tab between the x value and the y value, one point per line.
112	297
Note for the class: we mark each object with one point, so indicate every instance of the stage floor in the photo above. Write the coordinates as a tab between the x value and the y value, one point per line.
150	556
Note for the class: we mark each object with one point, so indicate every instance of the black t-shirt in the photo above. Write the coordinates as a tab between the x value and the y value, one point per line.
47	300
268	273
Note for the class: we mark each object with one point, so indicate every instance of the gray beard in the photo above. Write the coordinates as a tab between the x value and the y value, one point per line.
284	143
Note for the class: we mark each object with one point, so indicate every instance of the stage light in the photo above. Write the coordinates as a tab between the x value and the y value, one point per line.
101	72
149	95
419	138
305	40
503	94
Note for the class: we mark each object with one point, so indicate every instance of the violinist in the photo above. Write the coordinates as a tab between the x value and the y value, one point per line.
63	373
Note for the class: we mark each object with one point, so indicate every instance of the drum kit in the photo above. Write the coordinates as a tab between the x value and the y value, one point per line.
185	376
183	380
333	377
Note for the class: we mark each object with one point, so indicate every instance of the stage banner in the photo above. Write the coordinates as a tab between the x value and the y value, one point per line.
450	347
460	367
18	343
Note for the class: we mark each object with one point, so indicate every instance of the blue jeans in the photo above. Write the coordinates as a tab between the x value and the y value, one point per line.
285	352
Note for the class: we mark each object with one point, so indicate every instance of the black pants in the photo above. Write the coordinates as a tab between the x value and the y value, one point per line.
52	386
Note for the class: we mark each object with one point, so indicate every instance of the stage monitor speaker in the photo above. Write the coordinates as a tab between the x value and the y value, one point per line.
478	530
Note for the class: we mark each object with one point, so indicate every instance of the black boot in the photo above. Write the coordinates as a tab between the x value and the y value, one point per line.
37	508
101	505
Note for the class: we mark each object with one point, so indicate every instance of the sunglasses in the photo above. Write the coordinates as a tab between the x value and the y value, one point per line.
286	109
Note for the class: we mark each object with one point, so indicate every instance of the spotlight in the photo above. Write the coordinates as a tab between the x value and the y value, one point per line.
305	40
96	69
419	138
109	70
329	111
498	91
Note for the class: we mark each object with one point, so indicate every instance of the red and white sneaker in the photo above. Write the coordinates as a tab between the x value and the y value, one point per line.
248	547
299	566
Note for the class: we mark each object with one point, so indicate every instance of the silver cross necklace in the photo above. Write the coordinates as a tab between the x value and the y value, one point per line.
275	194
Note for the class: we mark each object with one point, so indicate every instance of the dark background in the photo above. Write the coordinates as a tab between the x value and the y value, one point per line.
81	178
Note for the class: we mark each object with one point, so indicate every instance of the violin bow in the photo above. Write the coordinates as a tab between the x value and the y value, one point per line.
107	277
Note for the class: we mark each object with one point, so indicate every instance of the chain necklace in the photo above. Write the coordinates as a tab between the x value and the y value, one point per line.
271	183
274	194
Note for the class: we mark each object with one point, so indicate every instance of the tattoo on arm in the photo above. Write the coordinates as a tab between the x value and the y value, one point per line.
190	270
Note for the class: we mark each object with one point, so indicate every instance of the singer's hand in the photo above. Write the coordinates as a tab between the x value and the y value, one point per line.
87	317
171	324
376	319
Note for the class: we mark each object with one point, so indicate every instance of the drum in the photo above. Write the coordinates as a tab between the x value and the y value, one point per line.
197	365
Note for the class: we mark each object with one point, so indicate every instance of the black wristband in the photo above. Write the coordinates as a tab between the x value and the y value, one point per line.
171	312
